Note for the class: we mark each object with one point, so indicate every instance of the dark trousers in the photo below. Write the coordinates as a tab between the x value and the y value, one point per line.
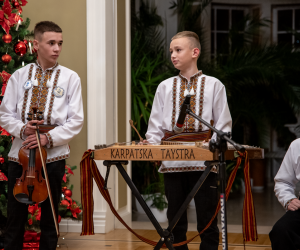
285	233
17	212
177	187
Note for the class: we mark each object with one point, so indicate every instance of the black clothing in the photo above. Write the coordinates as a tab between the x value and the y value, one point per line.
285	233
177	187
17	212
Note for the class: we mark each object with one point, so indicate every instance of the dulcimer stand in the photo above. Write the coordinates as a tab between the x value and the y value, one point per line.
166	236
221	145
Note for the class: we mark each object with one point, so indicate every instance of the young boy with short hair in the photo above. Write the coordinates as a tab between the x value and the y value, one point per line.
208	101
56	91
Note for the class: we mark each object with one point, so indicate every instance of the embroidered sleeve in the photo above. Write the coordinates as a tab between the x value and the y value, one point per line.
220	110
8	109
22	132
286	177
50	145
155	131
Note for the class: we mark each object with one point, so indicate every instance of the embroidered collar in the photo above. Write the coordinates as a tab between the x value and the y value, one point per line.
40	67
199	73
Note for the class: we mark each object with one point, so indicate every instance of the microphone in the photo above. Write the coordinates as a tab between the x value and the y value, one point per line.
178	128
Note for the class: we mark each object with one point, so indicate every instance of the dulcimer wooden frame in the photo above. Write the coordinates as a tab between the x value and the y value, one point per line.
108	154
119	152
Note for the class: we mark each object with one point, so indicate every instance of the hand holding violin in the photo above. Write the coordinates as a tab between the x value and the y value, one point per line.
31	140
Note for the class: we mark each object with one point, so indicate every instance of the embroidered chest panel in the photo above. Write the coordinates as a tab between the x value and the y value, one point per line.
40	93
26	95
196	101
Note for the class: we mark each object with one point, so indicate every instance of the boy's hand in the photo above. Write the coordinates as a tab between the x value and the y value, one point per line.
31	141
143	142
294	205
30	128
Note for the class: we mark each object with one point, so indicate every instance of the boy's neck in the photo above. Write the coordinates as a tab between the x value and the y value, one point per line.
189	72
45	65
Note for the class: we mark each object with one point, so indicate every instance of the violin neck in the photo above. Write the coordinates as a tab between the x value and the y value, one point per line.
32	157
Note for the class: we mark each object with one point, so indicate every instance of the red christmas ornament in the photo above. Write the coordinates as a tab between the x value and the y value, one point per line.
3	177
6	58
16	4
68	193
20	48
26	43
64	189
1	160
6	37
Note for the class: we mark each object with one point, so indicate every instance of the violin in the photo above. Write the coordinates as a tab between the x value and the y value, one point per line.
31	187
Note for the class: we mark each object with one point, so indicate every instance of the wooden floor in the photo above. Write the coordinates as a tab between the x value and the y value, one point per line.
123	239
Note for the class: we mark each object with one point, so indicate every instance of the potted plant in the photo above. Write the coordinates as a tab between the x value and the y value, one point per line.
156	199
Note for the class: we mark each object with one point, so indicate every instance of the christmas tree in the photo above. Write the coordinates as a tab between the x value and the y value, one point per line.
15	52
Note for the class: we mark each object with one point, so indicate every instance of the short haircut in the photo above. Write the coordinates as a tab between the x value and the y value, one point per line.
46	26
192	36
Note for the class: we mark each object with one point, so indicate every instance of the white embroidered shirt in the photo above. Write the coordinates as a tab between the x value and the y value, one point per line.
58	95
288	174
210	102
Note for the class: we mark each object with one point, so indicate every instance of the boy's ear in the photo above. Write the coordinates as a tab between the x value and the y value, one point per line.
36	44
196	52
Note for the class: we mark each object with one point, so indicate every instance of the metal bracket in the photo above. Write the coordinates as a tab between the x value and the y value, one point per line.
106	177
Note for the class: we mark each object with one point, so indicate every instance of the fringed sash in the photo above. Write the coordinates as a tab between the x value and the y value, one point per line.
186	136
89	171
249	219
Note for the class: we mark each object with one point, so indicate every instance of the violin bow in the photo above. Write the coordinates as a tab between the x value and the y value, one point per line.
47	182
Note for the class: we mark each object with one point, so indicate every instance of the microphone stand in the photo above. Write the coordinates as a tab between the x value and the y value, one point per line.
221	146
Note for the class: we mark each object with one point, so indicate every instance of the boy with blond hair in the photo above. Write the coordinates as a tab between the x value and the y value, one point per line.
208	101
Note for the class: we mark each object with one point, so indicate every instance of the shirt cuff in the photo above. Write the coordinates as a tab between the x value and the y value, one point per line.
22	136
50	140
288	203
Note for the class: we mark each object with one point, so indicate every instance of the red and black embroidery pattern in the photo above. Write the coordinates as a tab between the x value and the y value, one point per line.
189	120
13	159
40	92
57	158
50	139
26	95
201	100
22	131
174	101
185	169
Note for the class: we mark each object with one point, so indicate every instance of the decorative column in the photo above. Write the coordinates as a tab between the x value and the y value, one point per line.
101	117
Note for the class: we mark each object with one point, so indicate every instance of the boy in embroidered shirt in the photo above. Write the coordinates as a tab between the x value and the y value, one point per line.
208	101
56	91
